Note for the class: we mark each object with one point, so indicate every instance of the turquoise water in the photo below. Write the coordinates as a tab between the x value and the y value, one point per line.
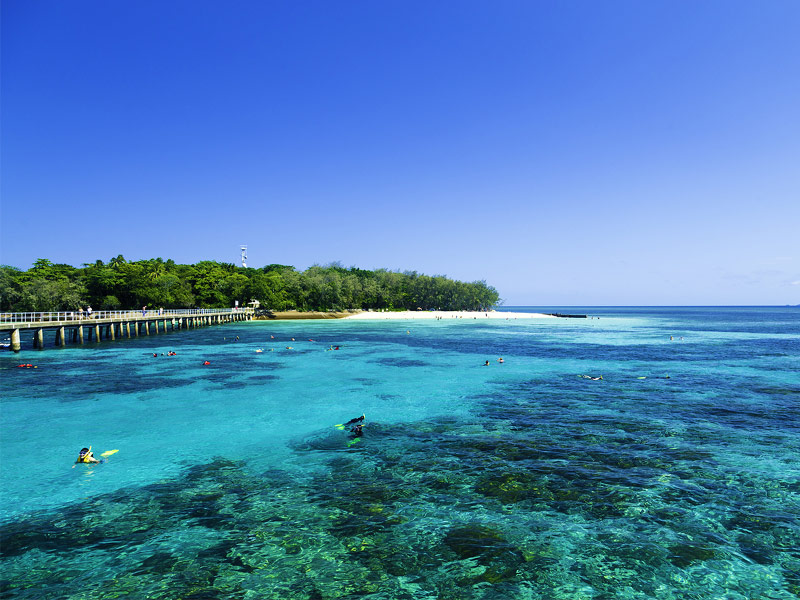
517	480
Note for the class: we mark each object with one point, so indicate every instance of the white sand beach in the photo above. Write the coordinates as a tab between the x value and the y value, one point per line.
446	314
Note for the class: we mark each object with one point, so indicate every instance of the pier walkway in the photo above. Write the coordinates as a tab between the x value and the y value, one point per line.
79	326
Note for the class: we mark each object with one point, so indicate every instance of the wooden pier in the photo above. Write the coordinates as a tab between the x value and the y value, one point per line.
79	327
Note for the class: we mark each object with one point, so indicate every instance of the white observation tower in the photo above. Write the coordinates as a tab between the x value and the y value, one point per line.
244	256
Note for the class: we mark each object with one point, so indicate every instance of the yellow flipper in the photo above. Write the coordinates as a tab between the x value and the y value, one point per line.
109	453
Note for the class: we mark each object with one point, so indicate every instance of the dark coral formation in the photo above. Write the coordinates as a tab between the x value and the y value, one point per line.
443	509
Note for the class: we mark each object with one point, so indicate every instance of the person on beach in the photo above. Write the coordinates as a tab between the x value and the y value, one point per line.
85	456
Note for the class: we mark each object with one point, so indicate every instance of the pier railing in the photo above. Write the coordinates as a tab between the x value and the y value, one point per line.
75	315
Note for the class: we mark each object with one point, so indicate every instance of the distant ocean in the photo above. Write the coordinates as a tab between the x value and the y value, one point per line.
675	476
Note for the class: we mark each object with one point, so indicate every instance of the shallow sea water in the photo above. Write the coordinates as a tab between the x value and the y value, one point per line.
677	476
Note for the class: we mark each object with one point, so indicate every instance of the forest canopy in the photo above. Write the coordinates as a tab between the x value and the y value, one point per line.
119	285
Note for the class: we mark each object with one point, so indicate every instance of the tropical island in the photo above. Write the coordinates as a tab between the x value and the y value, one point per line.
119	284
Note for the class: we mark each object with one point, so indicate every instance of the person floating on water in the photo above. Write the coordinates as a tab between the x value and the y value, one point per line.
355	421
355	429
591	377
486	364
500	359
86	457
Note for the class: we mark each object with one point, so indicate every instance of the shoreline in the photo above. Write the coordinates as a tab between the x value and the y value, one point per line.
446	314
366	315
294	315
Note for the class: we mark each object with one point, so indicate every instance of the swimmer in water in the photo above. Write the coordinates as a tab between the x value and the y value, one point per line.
355	421
85	456
355	427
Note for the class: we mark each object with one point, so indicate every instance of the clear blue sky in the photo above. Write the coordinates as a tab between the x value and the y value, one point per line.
583	152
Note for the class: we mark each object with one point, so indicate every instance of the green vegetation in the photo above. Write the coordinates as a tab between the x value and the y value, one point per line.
119	284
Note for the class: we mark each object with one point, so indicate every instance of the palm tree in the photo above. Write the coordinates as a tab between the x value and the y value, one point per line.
155	269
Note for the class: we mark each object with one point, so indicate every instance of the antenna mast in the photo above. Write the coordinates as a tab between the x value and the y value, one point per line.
244	256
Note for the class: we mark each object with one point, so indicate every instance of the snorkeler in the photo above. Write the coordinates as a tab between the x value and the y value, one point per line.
355	421
86	456
355	427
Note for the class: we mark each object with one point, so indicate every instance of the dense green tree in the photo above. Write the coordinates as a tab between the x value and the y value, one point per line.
50	295
122	284
10	278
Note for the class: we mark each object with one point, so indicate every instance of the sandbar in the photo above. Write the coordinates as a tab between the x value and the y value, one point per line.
445	314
